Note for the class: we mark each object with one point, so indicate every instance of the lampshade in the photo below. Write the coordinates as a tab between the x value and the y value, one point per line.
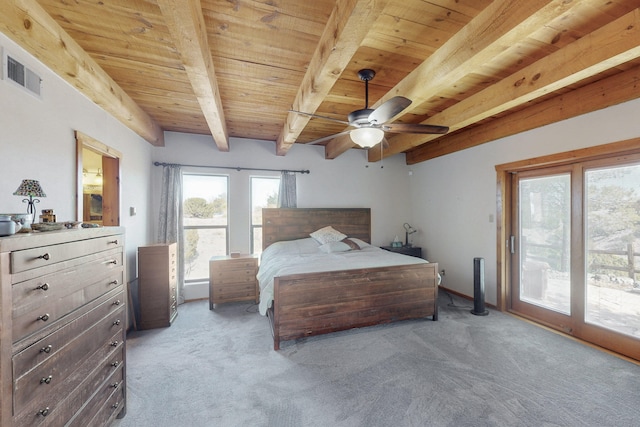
30	187
367	137
409	229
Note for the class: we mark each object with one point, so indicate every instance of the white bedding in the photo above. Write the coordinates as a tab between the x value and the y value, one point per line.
305	256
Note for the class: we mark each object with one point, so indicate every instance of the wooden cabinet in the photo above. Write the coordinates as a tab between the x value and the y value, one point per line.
233	279
405	250
62	328
157	285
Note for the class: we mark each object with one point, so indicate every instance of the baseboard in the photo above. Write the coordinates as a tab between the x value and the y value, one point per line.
461	295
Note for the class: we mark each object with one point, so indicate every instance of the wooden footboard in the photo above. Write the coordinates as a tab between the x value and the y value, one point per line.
319	303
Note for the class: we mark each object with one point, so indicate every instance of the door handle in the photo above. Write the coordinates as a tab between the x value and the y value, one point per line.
512	243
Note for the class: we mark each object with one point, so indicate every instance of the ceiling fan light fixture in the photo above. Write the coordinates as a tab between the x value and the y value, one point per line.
367	137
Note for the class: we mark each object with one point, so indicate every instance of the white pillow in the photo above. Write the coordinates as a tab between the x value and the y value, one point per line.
335	247
327	235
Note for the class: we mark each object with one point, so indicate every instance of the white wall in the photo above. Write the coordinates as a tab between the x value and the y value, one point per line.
455	195
37	141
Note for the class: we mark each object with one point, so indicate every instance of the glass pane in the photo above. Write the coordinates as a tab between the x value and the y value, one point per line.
257	240
200	246
613	248
204	200
204	204
264	194
545	245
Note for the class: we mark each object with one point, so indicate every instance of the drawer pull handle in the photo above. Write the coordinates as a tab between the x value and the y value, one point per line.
114	262
113	242
116	322
44	317
44	412
114	344
115	385
117	302
115	364
113	282
44	287
46	380
44	257
46	349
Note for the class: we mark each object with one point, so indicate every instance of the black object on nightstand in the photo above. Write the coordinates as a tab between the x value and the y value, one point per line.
406	250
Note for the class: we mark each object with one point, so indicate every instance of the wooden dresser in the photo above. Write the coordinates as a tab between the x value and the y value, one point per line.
157	285
62	328
233	279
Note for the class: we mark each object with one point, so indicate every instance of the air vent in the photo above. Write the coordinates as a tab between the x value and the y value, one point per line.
23	76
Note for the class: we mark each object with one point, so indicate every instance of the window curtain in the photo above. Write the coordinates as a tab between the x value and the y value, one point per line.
287	197
170	224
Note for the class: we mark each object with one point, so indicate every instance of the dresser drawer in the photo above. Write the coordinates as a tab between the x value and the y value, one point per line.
51	287
105	405
50	345
75	390
36	308
38	257
46	376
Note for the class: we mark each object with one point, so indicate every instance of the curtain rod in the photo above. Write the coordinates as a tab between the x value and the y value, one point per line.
237	168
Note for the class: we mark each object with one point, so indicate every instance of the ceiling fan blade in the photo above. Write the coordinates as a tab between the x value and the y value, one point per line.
320	117
326	138
415	128
389	109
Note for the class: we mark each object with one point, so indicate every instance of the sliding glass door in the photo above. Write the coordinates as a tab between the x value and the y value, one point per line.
612	236
575	250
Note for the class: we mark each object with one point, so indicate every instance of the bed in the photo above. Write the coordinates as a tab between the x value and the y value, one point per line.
307	300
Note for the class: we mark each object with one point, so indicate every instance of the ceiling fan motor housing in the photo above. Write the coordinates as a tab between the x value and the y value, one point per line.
359	118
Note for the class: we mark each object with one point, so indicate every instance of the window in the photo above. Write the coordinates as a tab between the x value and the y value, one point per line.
264	194
205	222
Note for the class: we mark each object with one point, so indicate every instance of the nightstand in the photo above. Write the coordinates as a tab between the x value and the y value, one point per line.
233	279
405	250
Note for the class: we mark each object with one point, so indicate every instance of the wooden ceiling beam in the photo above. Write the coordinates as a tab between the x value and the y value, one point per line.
29	25
603	49
186	24
501	24
346	28
604	93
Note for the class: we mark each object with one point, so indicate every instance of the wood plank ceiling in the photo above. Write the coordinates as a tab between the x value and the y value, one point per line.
235	68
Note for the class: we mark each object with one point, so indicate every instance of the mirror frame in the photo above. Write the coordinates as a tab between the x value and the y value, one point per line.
84	141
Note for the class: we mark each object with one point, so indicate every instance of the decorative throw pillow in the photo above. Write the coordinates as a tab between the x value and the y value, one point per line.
360	243
353	245
327	234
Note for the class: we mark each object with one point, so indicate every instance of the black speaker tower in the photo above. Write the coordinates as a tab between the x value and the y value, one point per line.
478	288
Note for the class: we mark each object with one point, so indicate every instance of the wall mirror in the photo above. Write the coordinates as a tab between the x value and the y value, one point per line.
98	182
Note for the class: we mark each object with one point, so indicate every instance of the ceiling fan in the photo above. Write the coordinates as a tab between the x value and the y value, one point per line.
370	125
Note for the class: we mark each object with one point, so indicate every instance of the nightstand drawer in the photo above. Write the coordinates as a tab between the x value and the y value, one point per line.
233	279
405	250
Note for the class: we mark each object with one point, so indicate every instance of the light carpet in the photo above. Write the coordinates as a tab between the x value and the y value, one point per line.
218	368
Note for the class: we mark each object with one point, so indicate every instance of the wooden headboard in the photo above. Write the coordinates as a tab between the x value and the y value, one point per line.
297	223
